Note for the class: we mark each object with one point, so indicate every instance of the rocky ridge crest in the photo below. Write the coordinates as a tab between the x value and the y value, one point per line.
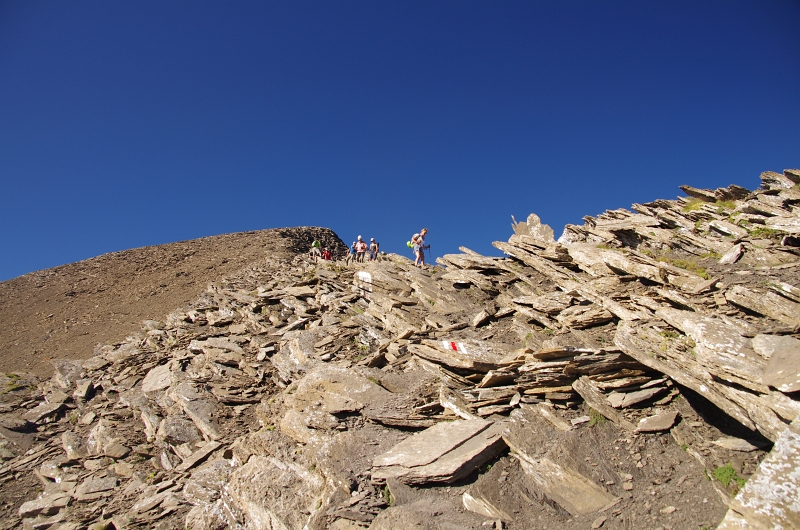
641	371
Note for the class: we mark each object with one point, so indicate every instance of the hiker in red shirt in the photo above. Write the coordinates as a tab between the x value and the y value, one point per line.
326	254
361	248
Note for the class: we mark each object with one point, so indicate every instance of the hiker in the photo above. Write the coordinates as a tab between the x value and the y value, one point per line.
373	249
361	248
326	254
418	240
351	255
315	253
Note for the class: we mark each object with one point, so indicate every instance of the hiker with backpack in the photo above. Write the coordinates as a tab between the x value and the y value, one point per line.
374	247
315	253
418	243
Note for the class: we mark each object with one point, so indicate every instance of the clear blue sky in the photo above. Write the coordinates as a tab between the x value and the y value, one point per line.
133	123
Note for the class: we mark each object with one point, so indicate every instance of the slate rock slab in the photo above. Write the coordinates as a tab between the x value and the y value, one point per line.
45	505
530	435
783	368
771	496
42	410
445	452
258	489
159	378
428	445
658	422
479	356
734	444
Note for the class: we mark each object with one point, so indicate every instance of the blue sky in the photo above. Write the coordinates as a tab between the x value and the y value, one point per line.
125	124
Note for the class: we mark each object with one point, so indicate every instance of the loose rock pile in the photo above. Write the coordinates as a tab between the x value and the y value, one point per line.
475	394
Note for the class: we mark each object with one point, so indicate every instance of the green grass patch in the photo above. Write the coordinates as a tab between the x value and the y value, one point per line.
387	496
694	204
12	386
726	476
763	232
687	265
595	418
725	205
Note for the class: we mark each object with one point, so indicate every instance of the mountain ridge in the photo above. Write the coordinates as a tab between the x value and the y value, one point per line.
65	311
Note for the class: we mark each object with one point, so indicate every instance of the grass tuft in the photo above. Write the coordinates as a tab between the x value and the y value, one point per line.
764	233
595	418
694	204
726	476
688	265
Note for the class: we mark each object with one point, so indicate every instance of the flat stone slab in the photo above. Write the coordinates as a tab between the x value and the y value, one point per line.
529	435
469	447
719	347
117	450
159	378
766	303
218	342
734	444
785	224
96	485
42	410
620	400
783	368
303	291
658	422
198	456
45	505
569	488
333	390
425	447
473	355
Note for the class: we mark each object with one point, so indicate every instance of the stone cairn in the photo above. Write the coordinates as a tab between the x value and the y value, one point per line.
301	395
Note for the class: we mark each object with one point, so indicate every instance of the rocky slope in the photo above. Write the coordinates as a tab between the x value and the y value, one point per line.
641	372
65	311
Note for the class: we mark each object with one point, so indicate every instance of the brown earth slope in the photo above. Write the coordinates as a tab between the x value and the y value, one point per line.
65	311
